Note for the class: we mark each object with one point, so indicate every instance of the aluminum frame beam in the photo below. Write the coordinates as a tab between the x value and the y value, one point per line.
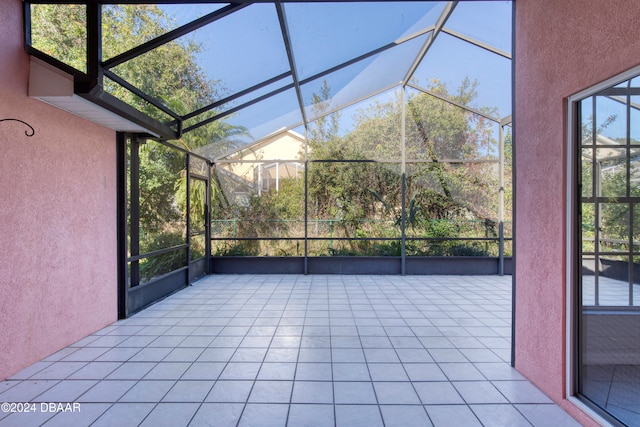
284	29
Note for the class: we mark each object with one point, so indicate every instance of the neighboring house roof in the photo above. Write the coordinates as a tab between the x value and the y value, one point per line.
251	151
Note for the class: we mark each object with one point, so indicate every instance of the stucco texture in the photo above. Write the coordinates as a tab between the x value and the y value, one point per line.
58	265
561	48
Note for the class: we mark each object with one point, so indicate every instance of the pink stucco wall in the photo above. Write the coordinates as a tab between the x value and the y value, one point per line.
562	47
57	217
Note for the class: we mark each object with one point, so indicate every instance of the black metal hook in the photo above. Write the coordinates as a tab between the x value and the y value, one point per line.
26	132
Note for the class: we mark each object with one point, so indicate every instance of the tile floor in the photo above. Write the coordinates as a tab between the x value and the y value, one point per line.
276	350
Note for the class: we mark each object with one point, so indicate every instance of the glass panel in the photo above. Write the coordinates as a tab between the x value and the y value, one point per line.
467	74
324	35
368	130
127	26
611	120
220	59
59	30
612	167
439	131
588	227
634	122
162	204
609	369
614	227
156	266
609	325
613	281
249	125
588	281
244	210
587	172
162	198
354	200
586	127
634	172
489	22
636	234
359	80
354	247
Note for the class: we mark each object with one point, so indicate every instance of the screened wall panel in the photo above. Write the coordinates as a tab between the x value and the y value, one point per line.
258	209
354	200
363	78
447	213
162	214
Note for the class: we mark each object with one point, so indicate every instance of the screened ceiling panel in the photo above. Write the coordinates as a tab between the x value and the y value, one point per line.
227	56
124	29
227	108
324	35
256	122
491	72
364	78
486	21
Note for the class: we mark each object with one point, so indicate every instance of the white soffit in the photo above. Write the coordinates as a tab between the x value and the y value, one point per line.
55	87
